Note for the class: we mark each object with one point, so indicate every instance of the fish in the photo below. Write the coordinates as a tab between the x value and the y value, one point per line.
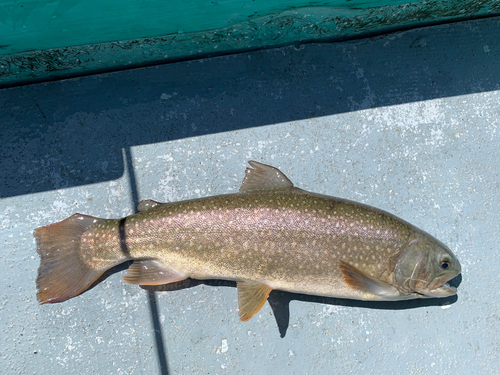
268	236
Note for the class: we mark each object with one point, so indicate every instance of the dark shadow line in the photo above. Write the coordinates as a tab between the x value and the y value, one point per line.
280	301
131	177
153	304
155	318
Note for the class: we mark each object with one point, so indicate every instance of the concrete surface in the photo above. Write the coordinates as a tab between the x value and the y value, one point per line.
406	122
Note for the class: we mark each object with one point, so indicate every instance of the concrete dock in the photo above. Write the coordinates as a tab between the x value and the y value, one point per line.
407	122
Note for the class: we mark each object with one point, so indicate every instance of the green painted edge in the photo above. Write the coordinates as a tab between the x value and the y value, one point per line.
313	24
30	25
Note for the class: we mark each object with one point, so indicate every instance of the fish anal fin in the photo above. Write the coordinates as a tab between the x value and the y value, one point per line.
146	205
262	176
251	297
359	280
152	272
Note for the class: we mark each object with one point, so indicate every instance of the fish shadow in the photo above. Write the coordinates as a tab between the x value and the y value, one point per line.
280	301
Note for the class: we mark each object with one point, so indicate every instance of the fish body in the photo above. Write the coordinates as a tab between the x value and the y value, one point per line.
270	235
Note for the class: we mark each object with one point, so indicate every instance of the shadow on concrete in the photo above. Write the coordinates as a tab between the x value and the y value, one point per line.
280	301
161	350
72	132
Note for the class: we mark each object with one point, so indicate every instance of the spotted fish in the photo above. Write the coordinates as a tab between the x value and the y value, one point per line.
270	235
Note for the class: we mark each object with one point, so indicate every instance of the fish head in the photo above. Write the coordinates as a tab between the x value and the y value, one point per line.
424	267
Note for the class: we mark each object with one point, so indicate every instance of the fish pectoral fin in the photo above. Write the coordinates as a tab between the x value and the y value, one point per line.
147	205
251	297
359	280
152	272
262	177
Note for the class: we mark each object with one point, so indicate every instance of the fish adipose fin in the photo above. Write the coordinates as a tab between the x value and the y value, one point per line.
251	297
152	272
262	177
359	280
62	273
146	205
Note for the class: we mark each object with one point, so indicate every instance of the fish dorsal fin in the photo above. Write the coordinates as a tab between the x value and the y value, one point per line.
152	272
146	205
251	298
359	280
262	177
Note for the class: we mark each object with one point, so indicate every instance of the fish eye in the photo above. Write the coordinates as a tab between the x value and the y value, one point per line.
445	264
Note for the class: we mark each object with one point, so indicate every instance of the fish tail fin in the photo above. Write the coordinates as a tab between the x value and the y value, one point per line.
62	273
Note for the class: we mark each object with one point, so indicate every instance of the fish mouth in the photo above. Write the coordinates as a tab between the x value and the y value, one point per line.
445	290
436	288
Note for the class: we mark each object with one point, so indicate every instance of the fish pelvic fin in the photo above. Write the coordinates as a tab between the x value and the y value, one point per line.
62	273
359	280
262	177
152	272
251	297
